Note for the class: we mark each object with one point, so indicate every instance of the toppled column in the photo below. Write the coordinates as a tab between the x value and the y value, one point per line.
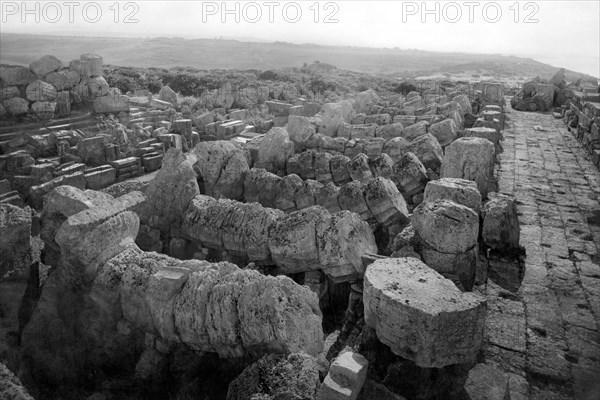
470	158
421	315
449	233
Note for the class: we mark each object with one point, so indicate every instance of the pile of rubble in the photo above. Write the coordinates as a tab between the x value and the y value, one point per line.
239	248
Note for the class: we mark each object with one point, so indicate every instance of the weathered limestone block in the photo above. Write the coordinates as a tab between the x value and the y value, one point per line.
285	199
390	131
365	100
91	150
410	176
490	134
378	119
486	382
45	65
167	94
306	196
428	150
40	91
460	191
327	197
16	106
12	388
361	131
500	229
323	168
97	87
43	109
374	147
346	377
333	114
91	65
170	192
385	201
382	166
63	80
306	165
339	169
446	226
415	130
261	187
256	233
63	104
274	151
445	131
459	267
111	104
395	148
421	315
9	92
465	103
275	376
359	169
222	167
300	129
91	237
472	159
342	239
12	75
15	232
351	197
293	242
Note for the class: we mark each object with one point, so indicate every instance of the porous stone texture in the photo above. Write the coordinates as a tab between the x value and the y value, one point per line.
421	315
45	65
345	379
16	106
40	91
15	232
470	158
333	114
445	131
299	129
222	166
170	192
428	150
500	229
409	175
460	191
446	226
274	151
486	382
295	376
11	387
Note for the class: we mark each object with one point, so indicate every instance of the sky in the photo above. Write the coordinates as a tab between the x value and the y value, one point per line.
560	33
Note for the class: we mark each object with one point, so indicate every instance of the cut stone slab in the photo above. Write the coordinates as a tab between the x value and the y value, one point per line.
428	150
421	315
460	191
345	379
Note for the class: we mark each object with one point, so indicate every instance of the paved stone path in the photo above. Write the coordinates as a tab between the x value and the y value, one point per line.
547	334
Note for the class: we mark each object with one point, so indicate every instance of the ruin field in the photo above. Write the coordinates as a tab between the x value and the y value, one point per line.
177	230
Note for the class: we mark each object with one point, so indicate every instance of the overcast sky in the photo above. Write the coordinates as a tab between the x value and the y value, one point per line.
561	33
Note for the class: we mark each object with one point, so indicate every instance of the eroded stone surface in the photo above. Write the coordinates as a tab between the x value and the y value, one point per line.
421	315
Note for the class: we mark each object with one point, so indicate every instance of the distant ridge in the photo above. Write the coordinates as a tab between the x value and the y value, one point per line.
168	52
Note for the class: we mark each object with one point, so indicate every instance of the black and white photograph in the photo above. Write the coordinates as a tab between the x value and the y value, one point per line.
299	200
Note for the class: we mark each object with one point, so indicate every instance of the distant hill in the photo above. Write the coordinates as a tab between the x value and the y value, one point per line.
233	54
